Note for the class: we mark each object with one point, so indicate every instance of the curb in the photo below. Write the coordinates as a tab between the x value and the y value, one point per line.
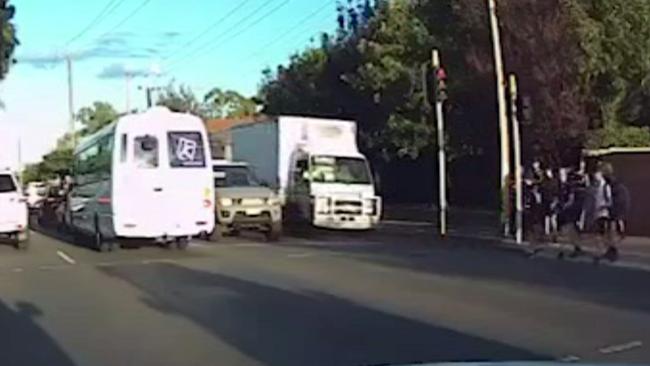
629	260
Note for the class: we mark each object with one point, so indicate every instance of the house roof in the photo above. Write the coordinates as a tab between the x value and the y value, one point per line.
223	124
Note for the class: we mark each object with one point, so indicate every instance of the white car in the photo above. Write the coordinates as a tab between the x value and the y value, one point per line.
13	210
35	192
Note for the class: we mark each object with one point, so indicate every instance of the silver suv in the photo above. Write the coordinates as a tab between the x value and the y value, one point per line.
244	203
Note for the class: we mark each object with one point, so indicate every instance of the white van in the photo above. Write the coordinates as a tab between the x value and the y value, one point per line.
145	176
13	210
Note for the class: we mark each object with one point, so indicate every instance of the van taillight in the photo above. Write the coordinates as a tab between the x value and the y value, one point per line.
207	203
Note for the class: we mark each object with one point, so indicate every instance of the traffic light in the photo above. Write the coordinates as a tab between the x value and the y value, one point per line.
525	110
440	84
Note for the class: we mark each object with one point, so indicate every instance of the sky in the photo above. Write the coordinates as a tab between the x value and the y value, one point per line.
198	43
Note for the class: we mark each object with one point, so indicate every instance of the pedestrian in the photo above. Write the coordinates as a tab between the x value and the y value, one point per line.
618	212
549	187
570	201
533	213
597	210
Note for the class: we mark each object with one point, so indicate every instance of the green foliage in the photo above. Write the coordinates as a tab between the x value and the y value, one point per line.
59	161
615	69
217	103
97	116
8	39
619	136
228	104
182	100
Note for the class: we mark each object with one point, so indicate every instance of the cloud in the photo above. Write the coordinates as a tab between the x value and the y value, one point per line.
118	71
119	45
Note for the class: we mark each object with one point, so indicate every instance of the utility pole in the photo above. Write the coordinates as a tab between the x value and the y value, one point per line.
516	140
503	114
149	93
442	163
73	137
127	77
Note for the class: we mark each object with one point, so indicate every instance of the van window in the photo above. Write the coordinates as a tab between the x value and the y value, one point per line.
7	184
145	152
186	150
123	143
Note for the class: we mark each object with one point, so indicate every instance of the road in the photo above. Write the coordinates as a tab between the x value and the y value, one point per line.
391	297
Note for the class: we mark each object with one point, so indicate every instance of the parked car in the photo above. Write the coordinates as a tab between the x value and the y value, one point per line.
244	203
13	210
35	192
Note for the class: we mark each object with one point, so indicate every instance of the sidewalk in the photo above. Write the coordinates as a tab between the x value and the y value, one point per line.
484	225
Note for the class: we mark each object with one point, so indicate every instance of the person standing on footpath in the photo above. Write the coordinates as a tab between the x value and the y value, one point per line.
618	212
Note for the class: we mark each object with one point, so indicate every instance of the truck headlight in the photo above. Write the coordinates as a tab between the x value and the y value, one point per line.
273	201
226	202
322	205
370	206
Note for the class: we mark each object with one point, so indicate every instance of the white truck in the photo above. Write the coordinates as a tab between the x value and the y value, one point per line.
315	166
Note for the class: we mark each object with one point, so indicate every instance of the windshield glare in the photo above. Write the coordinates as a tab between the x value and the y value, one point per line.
329	169
234	176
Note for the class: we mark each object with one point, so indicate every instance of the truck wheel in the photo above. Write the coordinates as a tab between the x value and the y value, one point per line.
182	243
22	240
274	232
216	234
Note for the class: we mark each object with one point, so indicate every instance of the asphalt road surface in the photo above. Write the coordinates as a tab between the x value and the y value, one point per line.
315	298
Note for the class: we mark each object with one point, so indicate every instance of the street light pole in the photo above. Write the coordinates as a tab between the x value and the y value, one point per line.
73	137
442	163
503	114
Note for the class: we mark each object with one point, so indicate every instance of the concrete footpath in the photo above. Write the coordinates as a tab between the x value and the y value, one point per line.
483	225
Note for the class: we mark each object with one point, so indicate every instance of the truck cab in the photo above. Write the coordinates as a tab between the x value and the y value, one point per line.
243	202
333	191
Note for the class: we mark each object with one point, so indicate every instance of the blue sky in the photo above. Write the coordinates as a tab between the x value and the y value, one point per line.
201	43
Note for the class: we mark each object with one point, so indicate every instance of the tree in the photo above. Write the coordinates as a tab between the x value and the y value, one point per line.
181	99
228	104
95	117
8	40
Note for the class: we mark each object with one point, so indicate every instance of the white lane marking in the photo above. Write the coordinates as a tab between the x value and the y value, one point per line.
300	255
65	257
155	261
406	223
569	358
17	269
249	245
620	347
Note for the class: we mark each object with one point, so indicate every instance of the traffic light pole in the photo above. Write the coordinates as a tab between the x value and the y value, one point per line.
516	140
442	162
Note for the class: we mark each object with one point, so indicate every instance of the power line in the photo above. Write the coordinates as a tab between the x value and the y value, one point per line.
126	18
290	30
211	27
220	35
107	10
254	23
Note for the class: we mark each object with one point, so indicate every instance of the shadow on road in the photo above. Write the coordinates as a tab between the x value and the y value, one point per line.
24	342
483	260
283	327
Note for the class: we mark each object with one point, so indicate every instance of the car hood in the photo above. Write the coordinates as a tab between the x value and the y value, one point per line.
244	192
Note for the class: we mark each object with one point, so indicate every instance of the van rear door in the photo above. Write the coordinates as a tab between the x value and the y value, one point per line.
188	183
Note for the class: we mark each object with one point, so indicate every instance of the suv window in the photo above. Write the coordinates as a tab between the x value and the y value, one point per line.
7	183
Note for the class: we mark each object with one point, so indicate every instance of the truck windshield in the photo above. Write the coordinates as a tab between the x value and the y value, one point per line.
234	176
330	169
